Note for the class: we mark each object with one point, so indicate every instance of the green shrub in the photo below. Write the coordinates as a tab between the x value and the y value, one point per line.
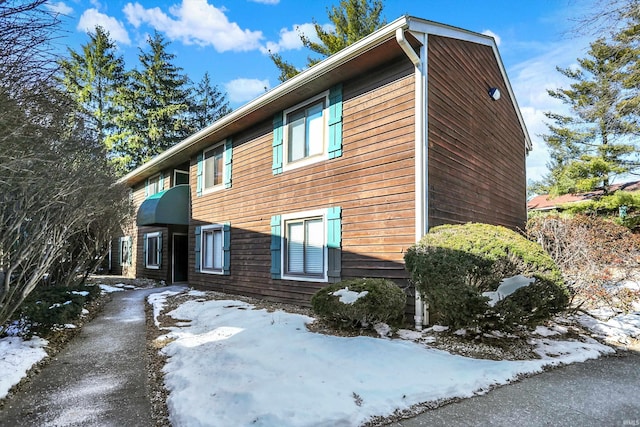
384	302
47	306
453	265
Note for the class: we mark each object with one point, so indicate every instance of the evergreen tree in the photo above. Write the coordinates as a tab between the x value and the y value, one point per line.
92	78
593	144
156	104
352	20
208	104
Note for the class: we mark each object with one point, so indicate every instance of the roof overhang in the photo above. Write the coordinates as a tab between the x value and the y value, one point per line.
168	207
380	46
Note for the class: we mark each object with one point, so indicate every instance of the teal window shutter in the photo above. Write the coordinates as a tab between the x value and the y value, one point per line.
335	121
226	247
228	160
200	160
276	244
197	248
278	139
160	250
334	243
144	250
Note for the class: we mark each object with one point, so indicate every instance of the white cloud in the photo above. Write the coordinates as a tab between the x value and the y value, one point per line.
59	7
494	35
530	80
195	22
243	90
91	18
290	38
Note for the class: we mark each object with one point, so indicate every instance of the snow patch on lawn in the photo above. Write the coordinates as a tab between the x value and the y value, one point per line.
617	329
239	363
107	289
17	356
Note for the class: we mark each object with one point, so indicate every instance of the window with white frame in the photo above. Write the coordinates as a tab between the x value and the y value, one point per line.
214	168
305	133
180	177
125	251
154	185
153	250
212	249
304	246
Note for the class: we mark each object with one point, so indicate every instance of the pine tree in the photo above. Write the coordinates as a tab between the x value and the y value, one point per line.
156	104
92	77
352	20
592	145
208	104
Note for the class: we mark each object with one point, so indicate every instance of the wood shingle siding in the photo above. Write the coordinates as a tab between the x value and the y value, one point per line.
476	146
373	183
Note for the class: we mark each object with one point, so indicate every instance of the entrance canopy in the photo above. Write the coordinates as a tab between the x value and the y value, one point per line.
168	207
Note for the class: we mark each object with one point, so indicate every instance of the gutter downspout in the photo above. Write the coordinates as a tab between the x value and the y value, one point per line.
421	171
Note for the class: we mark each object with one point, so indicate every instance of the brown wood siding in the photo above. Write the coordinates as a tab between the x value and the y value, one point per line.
373	182
476	145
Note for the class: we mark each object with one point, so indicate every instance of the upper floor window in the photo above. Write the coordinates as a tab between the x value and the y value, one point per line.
213	167
180	177
154	185
305	133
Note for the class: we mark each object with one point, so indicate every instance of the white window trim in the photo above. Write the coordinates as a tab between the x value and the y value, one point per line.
218	187
325	128
202	251
146	252
283	245
175	175
152	178
123	262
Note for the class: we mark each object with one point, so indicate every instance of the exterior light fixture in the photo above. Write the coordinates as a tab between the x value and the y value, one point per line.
494	93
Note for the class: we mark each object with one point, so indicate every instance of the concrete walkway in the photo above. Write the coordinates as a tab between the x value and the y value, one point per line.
99	379
601	392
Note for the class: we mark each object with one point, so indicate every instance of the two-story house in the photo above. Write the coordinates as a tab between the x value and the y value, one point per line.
336	172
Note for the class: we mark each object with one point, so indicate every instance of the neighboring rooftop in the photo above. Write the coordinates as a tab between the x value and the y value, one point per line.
547	202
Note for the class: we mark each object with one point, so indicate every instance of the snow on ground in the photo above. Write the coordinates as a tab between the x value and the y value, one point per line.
253	367
107	289
17	356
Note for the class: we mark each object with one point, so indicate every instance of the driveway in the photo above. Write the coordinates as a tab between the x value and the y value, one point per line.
99	379
600	392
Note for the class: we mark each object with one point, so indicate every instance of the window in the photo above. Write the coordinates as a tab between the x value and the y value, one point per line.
154	185
213	249
125	251
307	246
153	250
309	132
304	254
180	177
305	132
213	168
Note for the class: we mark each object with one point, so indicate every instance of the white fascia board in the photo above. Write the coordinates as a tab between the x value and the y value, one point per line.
291	85
429	27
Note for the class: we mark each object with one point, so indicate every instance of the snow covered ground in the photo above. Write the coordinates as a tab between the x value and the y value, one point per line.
232	364
252	367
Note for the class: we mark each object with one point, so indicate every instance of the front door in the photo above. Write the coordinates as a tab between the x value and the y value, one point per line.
180	257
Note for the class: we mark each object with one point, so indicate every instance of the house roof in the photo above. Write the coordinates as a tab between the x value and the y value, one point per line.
374	49
548	202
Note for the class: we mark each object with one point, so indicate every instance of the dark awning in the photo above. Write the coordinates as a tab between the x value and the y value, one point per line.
166	207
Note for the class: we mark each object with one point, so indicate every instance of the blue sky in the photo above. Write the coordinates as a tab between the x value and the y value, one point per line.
230	38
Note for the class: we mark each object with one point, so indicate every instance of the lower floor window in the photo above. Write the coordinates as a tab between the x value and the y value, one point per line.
153	250
304	240
212	249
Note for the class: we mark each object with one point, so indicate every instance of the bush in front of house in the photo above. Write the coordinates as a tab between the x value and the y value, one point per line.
360	303
453	265
48	306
